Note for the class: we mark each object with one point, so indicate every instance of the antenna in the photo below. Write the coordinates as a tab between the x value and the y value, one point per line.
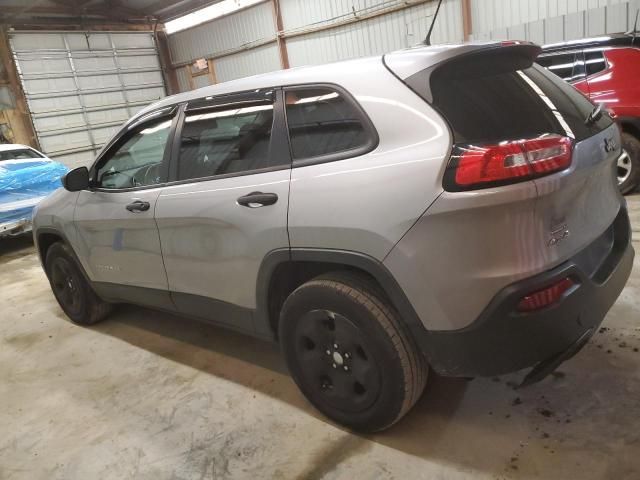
635	24
427	40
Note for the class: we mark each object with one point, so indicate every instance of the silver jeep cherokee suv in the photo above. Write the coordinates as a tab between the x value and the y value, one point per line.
451	208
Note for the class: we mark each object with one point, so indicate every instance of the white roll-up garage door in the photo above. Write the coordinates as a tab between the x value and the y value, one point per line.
81	86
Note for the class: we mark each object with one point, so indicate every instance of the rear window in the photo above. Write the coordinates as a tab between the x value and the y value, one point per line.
508	98
572	106
18	154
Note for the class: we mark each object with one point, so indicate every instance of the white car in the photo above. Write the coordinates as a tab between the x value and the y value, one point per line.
26	177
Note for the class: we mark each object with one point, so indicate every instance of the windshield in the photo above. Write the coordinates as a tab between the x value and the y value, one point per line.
18	154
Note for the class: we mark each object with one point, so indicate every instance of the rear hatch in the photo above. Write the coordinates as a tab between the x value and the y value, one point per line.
514	122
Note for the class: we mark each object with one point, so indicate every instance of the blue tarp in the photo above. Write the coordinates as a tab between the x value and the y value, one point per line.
23	183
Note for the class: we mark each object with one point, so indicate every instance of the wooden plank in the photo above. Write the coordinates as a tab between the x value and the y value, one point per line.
467	25
20	117
168	70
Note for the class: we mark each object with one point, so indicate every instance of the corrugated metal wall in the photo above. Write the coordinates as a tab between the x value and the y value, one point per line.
250	62
550	21
183	79
245	42
82	86
374	36
248	27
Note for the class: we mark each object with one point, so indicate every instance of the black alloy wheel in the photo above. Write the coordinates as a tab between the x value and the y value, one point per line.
66	286
343	371
70	287
350	353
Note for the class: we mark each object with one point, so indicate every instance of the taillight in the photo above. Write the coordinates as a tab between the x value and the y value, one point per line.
547	296
486	165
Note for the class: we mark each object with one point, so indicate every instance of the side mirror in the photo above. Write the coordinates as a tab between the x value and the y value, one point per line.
76	180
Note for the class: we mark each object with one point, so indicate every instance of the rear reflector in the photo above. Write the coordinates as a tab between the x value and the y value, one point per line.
486	165
545	297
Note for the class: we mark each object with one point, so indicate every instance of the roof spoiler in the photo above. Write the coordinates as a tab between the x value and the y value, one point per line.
404	63
416	66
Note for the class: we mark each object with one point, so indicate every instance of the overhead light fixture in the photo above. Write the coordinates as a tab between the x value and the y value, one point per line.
206	14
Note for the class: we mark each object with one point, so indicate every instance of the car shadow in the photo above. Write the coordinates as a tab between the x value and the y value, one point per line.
482	424
12	246
211	349
142	327
241	358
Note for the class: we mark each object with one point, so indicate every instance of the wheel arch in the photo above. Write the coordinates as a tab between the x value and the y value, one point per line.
45	237
630	125
282	271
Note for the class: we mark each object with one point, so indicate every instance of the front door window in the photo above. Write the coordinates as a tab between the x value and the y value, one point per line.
137	159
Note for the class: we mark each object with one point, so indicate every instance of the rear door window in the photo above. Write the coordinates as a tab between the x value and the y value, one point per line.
324	123
510	100
226	140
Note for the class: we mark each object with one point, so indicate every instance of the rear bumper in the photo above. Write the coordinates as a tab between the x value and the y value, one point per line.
503	340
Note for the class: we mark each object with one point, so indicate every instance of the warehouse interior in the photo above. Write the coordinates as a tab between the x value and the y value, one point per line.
149	394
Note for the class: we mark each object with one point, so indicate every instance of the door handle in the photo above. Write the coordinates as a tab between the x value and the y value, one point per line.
257	199
138	206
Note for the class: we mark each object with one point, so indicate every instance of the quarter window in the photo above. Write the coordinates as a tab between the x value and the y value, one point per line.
225	140
595	62
137	161
321	121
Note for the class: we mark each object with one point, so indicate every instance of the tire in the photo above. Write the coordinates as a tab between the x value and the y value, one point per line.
72	291
630	167
349	353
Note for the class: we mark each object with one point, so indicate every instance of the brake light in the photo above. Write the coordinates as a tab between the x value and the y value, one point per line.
545	297
486	165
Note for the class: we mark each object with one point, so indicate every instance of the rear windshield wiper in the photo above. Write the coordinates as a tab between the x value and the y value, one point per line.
594	116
